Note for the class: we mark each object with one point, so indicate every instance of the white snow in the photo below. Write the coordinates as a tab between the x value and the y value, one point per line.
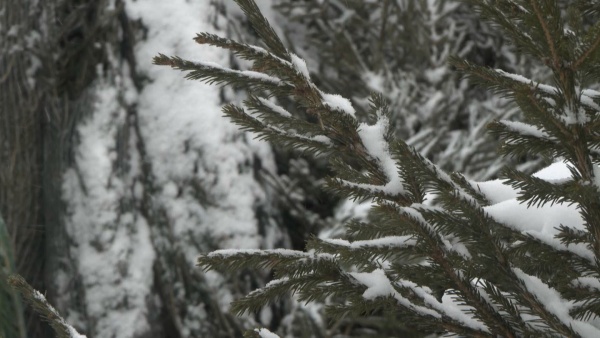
436	75
496	191
596	170
372	137
457	310
300	65
377	283
539	221
274	107
72	332
587	282
188	143
557	172
454	244
339	103
569	117
375	81
555	304
525	129
110	269
520	78
353	209
389	241
245	73
282	252
264	333
588	101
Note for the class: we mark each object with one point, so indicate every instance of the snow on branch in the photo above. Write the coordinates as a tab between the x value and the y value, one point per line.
555	304
236	259
524	129
278	109
339	103
226	253
522	79
378	148
586	98
389	241
43	308
264	333
378	285
214	73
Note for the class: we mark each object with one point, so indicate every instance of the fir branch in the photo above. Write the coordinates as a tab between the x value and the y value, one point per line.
266	295
213	73
367	254
40	305
468	293
569	235
317	144
592	47
511	17
532	288
505	302
455	242
263	28
584	290
264	61
517	144
232	259
537	192
550	35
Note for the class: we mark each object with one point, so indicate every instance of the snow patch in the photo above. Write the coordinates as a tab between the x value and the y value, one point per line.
300	65
390	241
339	103
264	333
555	304
372	137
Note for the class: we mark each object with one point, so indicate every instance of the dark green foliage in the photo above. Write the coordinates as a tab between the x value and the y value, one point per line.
39	303
399	48
12	322
453	265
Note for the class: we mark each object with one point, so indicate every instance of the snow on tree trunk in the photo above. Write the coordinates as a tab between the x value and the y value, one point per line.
159	177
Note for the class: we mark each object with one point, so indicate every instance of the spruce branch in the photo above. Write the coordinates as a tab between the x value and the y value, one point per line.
549	34
264	61
269	131
592	47
40	305
263	28
416	253
214	73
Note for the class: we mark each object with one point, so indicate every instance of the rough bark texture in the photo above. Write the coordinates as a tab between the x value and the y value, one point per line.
48	56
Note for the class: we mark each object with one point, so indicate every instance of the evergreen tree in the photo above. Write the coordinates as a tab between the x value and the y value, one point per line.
400	48
516	257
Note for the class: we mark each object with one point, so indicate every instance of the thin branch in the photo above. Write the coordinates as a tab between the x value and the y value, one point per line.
587	53
547	33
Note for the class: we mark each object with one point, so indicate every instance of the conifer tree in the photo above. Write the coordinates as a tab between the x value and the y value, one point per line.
400	48
484	261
